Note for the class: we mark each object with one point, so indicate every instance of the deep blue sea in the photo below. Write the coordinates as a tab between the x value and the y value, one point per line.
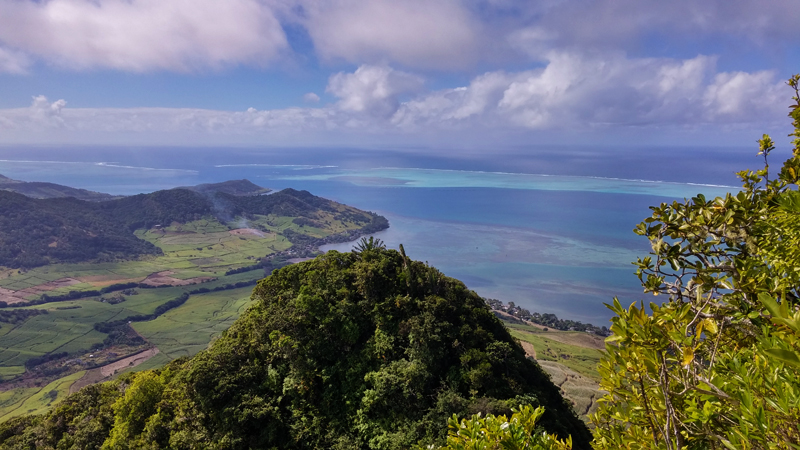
548	228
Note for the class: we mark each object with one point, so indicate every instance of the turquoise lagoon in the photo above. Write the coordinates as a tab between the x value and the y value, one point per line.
551	242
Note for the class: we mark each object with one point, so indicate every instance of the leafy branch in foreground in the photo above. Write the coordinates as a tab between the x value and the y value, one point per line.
499	432
718	364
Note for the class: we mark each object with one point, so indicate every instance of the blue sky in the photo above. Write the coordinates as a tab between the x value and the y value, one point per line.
444	74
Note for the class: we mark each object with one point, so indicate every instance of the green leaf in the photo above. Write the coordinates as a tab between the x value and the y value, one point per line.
770	304
787	356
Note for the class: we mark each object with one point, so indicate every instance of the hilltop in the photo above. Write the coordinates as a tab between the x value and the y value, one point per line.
232	187
352	350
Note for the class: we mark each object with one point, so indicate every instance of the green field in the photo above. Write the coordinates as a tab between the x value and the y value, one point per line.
203	248
189	328
571	359
92	331
17	402
182	331
580	359
72	330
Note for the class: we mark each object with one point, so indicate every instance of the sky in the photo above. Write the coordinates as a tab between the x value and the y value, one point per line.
444	74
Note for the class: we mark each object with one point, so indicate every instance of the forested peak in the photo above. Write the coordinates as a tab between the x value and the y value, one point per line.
233	187
366	349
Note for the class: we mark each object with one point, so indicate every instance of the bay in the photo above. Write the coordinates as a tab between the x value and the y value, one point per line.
551	231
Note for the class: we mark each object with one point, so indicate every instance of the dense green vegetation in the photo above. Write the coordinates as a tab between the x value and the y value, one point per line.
500	432
232	187
36	232
360	350
717	365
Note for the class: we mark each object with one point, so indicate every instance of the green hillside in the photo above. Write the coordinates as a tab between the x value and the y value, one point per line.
36	232
355	350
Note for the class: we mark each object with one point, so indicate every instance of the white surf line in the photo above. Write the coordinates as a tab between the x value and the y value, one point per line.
95	163
301	166
633	180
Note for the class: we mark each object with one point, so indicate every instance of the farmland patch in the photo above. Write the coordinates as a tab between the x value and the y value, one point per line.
164	279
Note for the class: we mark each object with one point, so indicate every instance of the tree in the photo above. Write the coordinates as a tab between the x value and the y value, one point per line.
717	365
368	245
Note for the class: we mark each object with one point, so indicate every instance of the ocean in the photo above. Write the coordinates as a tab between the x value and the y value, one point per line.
549	228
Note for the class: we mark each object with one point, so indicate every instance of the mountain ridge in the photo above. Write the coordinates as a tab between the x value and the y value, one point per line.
35	232
42	190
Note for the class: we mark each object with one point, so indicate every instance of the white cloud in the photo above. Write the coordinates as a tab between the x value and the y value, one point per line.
737	96
372	89
441	34
13	61
142	35
311	97
620	24
185	35
603	91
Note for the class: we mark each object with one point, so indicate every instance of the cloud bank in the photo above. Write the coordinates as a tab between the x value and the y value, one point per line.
444	35
522	67
572	92
140	35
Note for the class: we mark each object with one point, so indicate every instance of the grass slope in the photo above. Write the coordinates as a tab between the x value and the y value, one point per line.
23	401
571	359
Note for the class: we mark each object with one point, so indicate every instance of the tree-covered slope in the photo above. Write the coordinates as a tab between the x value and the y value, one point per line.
34	232
357	350
232	187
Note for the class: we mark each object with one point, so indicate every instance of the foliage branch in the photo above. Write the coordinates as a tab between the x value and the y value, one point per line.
717	365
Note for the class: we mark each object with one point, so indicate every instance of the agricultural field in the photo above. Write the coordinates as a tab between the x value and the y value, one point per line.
68	326
570	357
189	328
193	252
35	400
195	255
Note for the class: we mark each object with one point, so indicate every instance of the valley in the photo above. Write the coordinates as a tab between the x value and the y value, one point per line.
64	325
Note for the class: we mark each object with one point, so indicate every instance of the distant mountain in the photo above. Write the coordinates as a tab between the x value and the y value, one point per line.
239	188
35	232
37	189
